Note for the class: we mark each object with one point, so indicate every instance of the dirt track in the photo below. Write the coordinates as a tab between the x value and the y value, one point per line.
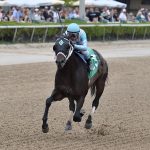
122	121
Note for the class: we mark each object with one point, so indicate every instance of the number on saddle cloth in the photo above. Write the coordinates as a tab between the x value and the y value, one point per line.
95	62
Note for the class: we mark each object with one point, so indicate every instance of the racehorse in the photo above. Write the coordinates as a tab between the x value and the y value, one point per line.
72	82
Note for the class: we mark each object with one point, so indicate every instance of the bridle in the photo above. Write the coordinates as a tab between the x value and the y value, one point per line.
62	54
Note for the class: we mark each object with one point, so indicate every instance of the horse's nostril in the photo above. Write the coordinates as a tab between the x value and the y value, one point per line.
59	61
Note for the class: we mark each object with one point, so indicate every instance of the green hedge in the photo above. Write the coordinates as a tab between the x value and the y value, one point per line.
101	33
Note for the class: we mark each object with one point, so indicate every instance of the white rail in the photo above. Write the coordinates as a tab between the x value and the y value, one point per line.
46	27
86	25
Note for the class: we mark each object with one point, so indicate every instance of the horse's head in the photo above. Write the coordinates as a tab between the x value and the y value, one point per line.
63	50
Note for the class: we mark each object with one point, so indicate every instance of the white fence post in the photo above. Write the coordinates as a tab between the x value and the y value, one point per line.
44	38
15	35
31	39
133	35
145	33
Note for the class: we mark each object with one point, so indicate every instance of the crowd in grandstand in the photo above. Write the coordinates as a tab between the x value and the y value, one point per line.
49	14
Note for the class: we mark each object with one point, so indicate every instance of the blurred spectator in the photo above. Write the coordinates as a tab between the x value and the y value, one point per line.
31	14
26	14
112	11
123	16
19	14
1	14
63	13
97	11
91	14
53	15
14	14
115	15
45	14
6	16
145	13
105	15
140	17
148	17
36	15
49	14
72	14
131	17
77	12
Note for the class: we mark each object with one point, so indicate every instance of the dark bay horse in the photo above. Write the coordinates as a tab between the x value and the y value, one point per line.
72	82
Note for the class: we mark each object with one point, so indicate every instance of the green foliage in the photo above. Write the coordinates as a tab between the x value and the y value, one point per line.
6	35
125	32
23	34
69	2
52	34
101	33
148	32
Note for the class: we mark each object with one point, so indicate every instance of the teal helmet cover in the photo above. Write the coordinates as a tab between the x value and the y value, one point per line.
73	27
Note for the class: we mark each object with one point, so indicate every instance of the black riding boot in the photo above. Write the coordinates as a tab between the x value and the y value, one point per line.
89	64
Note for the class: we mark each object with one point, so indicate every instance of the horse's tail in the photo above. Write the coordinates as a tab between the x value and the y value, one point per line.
103	75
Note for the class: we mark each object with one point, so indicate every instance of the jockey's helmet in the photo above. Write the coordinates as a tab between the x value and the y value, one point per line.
73	32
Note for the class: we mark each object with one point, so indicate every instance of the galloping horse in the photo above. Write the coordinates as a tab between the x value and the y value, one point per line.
72	82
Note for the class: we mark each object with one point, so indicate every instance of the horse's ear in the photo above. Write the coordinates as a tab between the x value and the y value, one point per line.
54	48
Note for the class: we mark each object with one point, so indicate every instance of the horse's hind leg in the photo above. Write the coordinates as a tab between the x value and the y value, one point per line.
56	95
100	84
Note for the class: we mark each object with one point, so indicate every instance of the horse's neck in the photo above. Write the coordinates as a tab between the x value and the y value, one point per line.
74	62
72	65
73	59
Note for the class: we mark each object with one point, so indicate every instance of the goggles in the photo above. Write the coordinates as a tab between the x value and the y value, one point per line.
73	35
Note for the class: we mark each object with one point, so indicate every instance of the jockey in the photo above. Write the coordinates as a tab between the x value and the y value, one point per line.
79	39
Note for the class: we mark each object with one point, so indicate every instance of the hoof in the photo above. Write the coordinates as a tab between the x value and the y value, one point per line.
45	129
88	125
68	126
76	119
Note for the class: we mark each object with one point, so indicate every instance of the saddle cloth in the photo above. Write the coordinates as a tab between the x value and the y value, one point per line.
94	60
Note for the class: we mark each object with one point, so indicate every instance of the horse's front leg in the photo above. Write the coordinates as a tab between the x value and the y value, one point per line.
72	109
56	95
78	115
